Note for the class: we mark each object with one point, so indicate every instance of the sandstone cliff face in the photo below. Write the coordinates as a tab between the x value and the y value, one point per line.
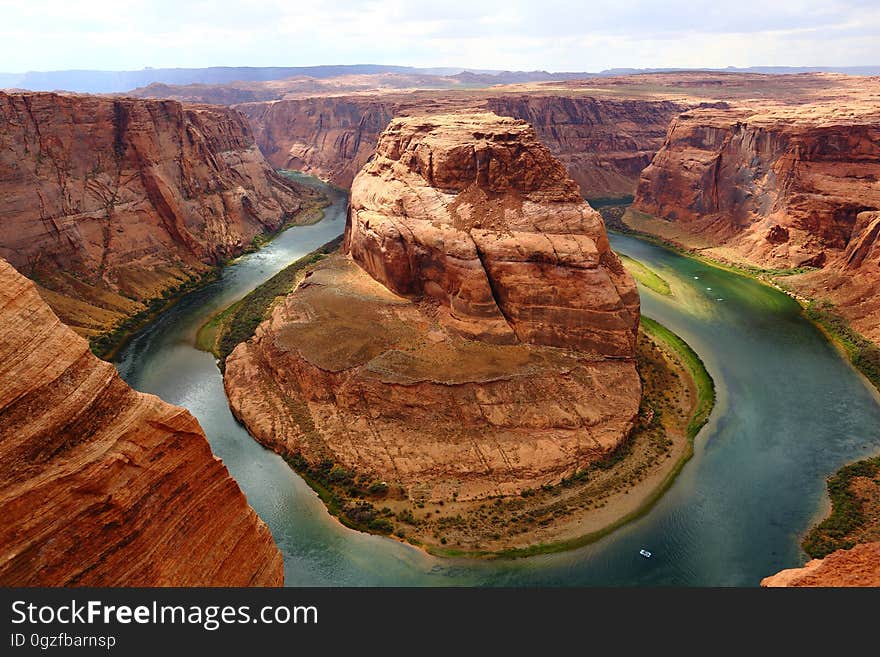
785	187
603	143
779	187
858	566
107	203
479	338
104	486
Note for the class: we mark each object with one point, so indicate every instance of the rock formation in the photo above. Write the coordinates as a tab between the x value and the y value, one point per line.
108	203
858	566
479	338
104	486
604	143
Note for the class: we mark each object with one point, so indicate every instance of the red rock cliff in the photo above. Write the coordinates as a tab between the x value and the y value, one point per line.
777	188
104	486
474	212
106	202
858	566
784	187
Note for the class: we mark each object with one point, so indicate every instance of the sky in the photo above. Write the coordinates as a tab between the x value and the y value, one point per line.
553	35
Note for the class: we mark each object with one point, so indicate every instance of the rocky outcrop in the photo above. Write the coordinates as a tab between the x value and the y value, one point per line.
477	341
475	214
858	566
603	143
104	486
850	279
108	203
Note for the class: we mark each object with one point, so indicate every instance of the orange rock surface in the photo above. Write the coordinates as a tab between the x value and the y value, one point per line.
858	566
478	340
107	203
104	486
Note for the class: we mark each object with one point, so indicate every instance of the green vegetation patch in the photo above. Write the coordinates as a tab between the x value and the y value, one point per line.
106	345
646	276
837	531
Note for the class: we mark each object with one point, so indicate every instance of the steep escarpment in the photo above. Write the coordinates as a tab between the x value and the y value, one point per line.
478	339
109	203
104	486
858	566
781	188
330	137
603	143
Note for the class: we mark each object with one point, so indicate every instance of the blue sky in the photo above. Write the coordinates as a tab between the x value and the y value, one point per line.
554	35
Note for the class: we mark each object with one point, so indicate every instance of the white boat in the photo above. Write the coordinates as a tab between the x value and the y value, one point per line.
645	553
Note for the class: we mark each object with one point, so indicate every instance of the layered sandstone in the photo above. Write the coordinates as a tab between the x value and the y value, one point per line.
479	338
858	566
604	143
104	486
108	203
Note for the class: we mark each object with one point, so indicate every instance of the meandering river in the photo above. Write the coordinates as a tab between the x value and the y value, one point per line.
790	412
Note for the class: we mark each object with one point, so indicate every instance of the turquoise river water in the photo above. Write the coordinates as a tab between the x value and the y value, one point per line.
790	411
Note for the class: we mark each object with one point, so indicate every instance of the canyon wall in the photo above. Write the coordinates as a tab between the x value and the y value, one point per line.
604	143
779	188
479	338
108	203
104	486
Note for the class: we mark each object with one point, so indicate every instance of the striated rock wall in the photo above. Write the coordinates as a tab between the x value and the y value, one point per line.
477	341
603	143
107	203
104	486
858	566
777	188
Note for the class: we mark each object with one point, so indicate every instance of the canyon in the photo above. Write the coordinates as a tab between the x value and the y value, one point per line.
782	188
111	204
102	485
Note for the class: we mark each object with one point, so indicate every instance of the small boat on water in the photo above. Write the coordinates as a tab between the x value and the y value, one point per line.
645	553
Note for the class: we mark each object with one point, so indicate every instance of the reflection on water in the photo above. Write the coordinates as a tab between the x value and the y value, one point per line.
790	412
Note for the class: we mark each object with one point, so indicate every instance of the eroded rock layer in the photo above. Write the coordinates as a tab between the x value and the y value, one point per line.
104	486
107	203
477	341
858	566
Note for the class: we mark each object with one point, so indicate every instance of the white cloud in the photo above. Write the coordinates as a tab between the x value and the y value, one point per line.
509	34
